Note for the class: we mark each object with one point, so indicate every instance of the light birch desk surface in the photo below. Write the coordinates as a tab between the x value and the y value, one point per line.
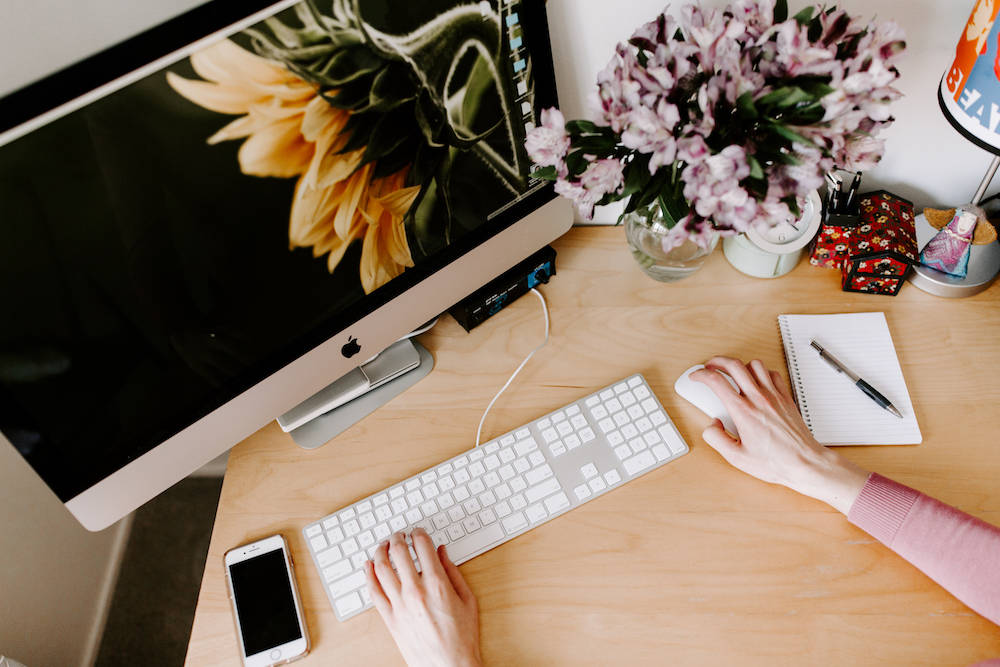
694	563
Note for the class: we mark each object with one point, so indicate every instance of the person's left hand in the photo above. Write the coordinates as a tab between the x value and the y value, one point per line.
432	615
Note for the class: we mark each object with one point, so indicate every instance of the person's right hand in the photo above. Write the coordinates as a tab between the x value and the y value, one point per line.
774	443
432	615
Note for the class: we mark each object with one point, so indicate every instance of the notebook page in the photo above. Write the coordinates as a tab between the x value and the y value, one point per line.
837	412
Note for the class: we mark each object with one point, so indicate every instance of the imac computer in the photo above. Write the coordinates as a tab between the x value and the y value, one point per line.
208	223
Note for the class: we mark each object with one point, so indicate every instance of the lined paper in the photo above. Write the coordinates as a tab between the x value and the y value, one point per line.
836	411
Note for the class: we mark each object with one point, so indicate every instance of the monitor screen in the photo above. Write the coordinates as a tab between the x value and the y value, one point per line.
185	231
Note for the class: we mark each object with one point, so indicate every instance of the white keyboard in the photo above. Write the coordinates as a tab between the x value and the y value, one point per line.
507	486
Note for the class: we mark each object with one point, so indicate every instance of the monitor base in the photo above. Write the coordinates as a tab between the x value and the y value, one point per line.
324	428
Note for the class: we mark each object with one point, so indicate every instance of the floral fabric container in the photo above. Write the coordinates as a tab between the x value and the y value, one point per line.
881	247
831	247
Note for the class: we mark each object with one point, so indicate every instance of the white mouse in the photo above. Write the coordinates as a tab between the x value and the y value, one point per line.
703	398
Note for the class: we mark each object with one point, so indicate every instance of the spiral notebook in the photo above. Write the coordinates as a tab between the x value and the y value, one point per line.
836	411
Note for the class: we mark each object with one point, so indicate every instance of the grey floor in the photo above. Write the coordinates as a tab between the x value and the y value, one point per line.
152	609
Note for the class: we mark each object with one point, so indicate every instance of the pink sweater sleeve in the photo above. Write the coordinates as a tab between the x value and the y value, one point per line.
958	551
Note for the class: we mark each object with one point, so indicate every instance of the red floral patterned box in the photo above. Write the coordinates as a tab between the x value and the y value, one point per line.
830	248
882	247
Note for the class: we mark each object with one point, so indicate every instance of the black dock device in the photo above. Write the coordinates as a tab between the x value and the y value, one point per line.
490	299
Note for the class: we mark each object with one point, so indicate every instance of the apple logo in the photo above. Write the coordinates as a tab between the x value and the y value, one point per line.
350	348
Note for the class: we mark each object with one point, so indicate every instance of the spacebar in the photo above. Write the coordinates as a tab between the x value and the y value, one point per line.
462	548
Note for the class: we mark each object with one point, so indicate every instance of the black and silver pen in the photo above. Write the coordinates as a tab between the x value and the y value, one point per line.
869	390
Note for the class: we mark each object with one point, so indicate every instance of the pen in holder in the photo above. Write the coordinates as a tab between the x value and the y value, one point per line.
831	247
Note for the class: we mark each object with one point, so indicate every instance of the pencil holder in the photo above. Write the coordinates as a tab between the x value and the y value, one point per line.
831	247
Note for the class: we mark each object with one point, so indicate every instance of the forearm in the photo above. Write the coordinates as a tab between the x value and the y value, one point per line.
958	551
830	477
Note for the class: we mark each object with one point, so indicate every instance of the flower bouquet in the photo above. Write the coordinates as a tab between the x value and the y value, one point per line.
726	119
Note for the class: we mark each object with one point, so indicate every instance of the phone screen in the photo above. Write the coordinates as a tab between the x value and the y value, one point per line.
264	602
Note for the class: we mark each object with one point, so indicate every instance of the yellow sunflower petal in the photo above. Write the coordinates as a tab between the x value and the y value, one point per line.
212	96
227	62
276	150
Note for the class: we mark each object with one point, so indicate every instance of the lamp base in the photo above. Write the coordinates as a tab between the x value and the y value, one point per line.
984	265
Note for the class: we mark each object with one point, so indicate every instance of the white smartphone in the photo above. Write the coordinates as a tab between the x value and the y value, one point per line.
270	624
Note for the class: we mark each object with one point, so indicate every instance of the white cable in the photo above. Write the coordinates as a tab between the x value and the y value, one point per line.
545	310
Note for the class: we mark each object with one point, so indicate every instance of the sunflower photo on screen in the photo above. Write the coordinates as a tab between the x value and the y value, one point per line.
375	116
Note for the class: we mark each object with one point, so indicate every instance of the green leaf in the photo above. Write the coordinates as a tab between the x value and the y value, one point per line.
804	16
756	171
793	204
636	174
815	29
547	173
795	96
668	219
348	65
791	135
745	105
781	11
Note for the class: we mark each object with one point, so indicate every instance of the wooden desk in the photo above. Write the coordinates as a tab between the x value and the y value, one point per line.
695	563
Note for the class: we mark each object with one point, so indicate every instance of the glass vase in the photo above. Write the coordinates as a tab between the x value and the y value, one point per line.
645	231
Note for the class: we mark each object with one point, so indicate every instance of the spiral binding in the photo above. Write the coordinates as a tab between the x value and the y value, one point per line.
793	371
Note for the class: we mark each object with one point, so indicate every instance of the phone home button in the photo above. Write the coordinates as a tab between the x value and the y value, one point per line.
275	654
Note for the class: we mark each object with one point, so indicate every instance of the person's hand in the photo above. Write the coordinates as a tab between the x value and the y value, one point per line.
774	443
432	615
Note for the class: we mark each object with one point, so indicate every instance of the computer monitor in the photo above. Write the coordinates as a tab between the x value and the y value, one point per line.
195	223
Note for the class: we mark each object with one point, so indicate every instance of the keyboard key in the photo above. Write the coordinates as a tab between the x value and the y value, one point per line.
564	428
367	520
331	555
507	473
635	412
518	502
634	381
523	433
487	499
502	509
661	452
462	549
525	446
613	406
461	476
536	458
550	435
651	438
335	536
556	503
622	452
347	584
615	438
413	515
460	462
621	387
358	560
639	462
461	494
439	538
648	405
672	438
606	425
366	539
349	546
597	485
348	604
539	491
330	522
441	521
507	455
558	417
446	483
578	422
557	449
476	455
363	506
643	424
657	418
612	477
352	528
491	447
399	505
476	487
411	484
522	465
572	441
491	479
471	524
486	517
518	484
413	497
382	512
640	392
592	401
444	470
346	514
366	598
318	543
431	491
607	395
600	412
582	492
544	423
588	471
538	474
502	491
628	400
472	506
637	444
630	431
445	500
456	514
382	532
514	522
573	410
429	508
492	463
535	513
454	532
314	530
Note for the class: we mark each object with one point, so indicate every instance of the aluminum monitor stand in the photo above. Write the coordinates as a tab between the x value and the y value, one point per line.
332	410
